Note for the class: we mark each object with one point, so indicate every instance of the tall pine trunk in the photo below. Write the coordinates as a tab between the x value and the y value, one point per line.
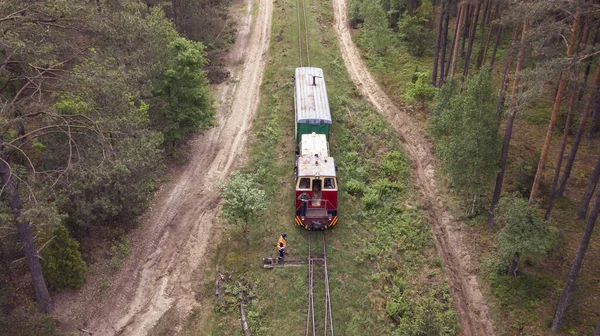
493	58
13	199
466	27
438	43
510	119
555	109
471	39
589	192
565	297
597	331
457	32
444	43
594	96
560	158
576	87
588	64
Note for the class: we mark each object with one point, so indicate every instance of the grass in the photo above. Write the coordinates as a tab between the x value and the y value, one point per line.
385	277
525	305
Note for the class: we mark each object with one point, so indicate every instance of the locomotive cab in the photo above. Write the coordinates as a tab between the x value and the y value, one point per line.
316	184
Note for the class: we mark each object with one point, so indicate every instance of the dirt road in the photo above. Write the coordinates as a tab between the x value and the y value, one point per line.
172	243
470	304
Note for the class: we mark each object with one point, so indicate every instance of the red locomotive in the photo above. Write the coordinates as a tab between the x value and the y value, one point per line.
316	182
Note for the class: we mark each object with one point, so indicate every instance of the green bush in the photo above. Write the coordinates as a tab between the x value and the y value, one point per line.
414	33
63	266
420	91
355	187
394	166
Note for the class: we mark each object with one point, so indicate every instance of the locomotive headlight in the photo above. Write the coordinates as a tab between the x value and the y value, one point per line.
329	217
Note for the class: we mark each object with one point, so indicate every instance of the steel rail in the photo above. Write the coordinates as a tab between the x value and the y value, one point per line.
328	310
306	32
299	31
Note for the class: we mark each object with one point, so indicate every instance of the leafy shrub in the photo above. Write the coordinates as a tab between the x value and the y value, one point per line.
524	233
63	266
385	189
525	174
394	166
414	33
431	314
371	199
244	201
375	35
420	91
355	187
119	249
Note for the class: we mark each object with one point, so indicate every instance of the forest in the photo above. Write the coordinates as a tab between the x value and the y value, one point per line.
509	93
97	98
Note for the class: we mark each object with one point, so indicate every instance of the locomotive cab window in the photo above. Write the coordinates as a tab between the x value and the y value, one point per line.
329	183
304	183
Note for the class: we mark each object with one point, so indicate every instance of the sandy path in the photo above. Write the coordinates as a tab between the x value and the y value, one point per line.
171	245
470	304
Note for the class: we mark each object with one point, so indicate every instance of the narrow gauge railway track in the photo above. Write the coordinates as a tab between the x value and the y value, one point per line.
311	326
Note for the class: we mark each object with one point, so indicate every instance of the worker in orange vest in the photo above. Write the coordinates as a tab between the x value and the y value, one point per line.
281	243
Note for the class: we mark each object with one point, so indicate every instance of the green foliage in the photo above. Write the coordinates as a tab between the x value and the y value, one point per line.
119	249
354	187
375	34
422	315
243	200
62	263
525	174
394	166
421	90
185	102
466	131
414	33
523	232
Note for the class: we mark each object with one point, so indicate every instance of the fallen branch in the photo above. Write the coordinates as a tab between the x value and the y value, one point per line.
219	285
242	313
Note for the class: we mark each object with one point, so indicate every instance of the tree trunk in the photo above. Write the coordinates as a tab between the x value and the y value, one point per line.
594	96
243	321
597	331
486	12
510	120
438	43
589	62
565	297
498	36
471	39
444	42
555	109
11	193
576	87
560	158
467	26
503	87
589	192
456	40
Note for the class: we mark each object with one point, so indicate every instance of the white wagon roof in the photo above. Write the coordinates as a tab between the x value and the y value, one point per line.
312	105
314	156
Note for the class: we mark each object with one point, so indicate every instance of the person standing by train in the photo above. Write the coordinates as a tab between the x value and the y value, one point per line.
281	244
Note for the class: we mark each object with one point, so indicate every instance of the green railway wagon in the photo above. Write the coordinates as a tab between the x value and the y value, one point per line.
311	103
